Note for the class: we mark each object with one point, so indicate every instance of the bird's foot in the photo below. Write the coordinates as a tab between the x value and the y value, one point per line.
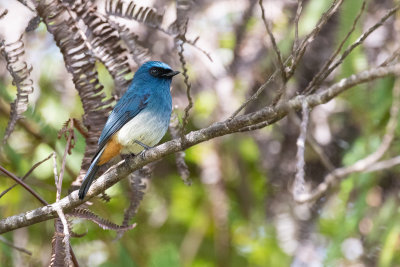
143	145
142	153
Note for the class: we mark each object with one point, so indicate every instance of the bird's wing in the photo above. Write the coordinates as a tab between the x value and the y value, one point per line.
126	109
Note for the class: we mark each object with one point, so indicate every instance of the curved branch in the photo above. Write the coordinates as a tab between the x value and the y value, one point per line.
125	167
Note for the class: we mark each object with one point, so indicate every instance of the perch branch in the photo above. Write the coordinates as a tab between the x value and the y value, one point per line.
127	166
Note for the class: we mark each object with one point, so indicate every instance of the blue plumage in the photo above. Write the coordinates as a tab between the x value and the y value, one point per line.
141	117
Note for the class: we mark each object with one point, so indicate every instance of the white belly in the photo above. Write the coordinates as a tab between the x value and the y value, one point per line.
146	127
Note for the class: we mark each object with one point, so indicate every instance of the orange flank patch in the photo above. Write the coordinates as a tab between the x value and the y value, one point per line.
112	149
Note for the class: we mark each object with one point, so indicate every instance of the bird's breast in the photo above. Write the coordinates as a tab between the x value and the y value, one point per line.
148	127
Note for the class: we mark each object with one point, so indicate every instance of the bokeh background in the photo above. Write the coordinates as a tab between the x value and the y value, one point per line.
238	210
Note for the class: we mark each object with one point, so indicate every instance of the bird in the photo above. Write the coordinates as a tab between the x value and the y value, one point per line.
139	119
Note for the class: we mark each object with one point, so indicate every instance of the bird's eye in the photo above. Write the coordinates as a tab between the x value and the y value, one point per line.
154	72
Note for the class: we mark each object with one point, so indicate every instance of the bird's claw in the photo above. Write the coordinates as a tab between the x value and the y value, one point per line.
142	154
142	145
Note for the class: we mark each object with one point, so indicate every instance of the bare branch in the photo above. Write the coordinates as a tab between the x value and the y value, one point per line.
24	185
366	164
315	146
255	95
274	45
127	166
26	175
10	244
296	26
393	57
187	83
360	40
323	73
69	131
311	36
294	58
384	164
299	185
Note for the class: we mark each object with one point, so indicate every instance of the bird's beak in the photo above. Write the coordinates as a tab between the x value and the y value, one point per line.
171	73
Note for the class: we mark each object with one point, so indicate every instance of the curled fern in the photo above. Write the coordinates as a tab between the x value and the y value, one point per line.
103	223
20	72
130	10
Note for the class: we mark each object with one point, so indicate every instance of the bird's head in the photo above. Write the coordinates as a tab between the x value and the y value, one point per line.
155	70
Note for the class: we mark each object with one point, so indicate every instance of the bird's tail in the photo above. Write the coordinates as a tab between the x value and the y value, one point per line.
90	174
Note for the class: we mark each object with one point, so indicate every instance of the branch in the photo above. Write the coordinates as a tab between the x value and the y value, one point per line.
273	41
327	69
23	184
296	25
127	166
299	186
369	163
26	175
294	58
10	244
323	73
185	118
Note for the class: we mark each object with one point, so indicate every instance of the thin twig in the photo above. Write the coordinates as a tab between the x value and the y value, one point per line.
240	33
391	58
26	175
273	41
384	164
187	83
299	185
255	95
311	36
55	171
314	145
10	244
294	59
24	185
58	181
70	132
322	74
359	41
296	26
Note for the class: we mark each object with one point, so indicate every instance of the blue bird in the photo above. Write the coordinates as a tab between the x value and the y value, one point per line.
138	121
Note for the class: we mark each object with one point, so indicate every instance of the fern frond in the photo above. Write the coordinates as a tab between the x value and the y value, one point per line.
105	42
80	62
136	192
57	245
20	72
129	10
103	223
